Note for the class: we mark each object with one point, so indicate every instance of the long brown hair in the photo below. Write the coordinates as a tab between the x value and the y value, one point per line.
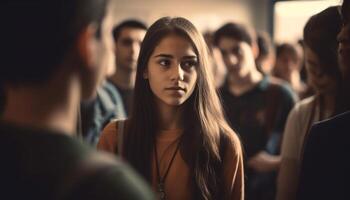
204	122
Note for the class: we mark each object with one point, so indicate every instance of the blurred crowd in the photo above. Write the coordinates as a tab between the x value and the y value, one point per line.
97	110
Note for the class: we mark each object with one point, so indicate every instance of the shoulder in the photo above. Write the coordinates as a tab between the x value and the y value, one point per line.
108	178
305	103
111	129
336	126
109	137
232	144
282	87
329	139
111	90
303	107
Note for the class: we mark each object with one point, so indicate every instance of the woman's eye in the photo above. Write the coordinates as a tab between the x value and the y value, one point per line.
164	63
189	64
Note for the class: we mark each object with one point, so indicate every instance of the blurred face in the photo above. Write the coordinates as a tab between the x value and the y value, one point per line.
318	79
237	55
286	63
101	57
172	71
344	41
128	47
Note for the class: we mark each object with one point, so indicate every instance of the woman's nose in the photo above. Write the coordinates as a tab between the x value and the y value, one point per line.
177	73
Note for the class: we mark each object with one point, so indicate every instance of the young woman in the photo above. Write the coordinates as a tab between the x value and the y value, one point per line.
176	136
320	36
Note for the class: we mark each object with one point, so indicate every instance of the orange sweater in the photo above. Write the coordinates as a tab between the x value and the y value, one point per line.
177	183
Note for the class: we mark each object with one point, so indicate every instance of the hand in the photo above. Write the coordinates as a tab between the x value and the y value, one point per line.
264	162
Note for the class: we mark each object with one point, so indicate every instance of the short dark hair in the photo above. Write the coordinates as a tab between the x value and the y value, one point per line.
131	23
234	31
291	49
265	44
38	34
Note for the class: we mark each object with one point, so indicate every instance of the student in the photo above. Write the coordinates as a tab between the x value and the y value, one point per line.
128	36
266	59
288	66
177	137
257	107
96	113
217	65
45	75
324	172
320	38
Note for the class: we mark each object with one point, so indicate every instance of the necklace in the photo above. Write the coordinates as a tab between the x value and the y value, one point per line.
161	180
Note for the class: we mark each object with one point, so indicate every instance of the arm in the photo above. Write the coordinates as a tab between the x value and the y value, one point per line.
289	170
264	162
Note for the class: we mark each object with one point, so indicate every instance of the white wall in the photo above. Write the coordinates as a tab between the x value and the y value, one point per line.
205	14
291	17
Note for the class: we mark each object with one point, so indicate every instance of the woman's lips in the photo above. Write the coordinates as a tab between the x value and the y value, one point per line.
177	91
175	88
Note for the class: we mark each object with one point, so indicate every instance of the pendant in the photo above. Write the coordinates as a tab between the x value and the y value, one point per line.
161	191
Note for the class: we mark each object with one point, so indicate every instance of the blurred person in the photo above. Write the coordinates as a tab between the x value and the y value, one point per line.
177	137
215	58
257	107
266	58
128	36
97	112
325	166
320	39
288	66
62	62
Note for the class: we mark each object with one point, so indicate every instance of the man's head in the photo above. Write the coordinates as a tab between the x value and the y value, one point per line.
238	47
128	36
288	60
45	38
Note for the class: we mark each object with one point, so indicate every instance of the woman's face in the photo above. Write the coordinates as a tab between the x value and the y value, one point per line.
319	79
172	70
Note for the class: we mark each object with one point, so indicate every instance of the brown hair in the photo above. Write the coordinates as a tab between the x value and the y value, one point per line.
200	146
320	35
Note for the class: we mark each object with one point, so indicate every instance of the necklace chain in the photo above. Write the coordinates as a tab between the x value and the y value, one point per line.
161	180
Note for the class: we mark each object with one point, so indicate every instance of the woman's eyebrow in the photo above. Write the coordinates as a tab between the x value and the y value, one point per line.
164	55
189	57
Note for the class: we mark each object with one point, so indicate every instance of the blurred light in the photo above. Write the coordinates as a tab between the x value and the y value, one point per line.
290	17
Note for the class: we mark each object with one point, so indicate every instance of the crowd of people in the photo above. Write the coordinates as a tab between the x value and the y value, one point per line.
94	110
